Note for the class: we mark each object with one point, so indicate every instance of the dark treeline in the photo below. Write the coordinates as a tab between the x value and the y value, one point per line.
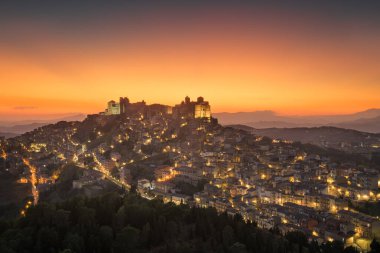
370	208
112	223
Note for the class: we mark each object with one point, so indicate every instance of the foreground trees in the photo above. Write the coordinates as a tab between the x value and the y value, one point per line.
131	224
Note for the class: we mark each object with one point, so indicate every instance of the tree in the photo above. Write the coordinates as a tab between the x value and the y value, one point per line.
47	240
375	246
74	242
332	247
126	240
76	226
66	251
145	235
350	249
238	248
228	236
171	230
106	239
120	218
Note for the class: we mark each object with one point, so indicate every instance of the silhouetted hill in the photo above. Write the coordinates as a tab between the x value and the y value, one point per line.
226	118
8	135
276	124
368	121
332	137
76	117
20	127
371	125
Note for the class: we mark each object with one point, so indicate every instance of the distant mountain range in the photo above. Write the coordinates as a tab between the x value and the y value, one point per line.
371	125
10	129
328	137
366	121
8	135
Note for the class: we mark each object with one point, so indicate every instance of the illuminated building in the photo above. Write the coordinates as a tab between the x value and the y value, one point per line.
202	109
113	108
124	106
22	180
199	109
365	225
164	173
188	109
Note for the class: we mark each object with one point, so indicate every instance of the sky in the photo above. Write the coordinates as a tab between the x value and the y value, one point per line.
292	57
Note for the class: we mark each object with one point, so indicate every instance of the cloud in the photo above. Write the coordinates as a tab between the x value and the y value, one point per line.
24	107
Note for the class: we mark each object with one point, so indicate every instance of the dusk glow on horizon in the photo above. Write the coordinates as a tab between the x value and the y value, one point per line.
303	59
192	126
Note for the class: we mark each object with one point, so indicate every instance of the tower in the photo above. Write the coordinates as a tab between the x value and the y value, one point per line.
124	102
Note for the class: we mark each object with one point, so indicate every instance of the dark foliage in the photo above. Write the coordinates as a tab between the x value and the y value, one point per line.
370	208
131	224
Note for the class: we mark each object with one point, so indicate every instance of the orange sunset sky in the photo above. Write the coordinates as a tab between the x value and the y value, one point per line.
298	58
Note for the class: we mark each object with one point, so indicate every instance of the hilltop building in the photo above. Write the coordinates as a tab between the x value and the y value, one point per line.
113	108
124	102
124	107
199	109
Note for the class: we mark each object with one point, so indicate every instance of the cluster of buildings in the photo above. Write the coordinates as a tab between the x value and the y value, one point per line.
187	108
180	154
274	184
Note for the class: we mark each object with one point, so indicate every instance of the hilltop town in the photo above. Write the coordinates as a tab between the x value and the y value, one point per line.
181	154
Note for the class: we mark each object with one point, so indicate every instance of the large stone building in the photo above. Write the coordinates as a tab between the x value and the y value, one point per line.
124	102
199	109
124	107
113	108
193	109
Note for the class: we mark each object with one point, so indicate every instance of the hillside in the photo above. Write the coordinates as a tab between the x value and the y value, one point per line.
11	201
8	135
371	125
366	121
20	129
177	158
331	137
11	129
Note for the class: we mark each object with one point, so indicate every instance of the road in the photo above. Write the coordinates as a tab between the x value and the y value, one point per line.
33	180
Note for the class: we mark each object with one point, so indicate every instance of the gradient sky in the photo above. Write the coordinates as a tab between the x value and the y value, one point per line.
299	57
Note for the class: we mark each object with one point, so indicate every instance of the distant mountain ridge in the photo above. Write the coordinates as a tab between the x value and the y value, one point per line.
11	129
371	125
327	137
71	117
8	135
366	121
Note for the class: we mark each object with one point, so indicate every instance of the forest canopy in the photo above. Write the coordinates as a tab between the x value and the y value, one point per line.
114	223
